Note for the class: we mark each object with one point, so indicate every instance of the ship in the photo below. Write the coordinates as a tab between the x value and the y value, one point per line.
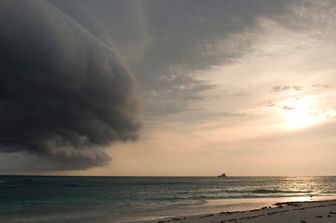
222	175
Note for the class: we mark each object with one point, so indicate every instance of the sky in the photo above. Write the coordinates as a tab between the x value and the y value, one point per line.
168	88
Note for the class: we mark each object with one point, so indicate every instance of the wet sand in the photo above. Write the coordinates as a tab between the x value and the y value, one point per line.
289	212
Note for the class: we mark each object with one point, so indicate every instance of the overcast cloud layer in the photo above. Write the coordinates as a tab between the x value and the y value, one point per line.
64	95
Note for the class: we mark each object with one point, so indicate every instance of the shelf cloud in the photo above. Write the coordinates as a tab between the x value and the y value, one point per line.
64	94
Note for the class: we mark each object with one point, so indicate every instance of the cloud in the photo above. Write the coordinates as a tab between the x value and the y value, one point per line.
279	88
187	32
320	86
64	94
189	37
285	107
118	23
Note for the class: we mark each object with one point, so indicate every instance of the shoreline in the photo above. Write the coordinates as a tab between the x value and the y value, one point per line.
297	212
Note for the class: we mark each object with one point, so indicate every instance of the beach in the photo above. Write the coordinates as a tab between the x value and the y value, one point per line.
287	212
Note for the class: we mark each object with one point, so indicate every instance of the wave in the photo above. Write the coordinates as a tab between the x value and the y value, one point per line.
274	191
255	191
236	194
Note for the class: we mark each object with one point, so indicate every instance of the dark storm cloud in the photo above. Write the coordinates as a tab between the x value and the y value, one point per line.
189	36
186	32
168	42
64	95
120	23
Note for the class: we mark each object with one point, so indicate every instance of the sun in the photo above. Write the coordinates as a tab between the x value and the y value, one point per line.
298	113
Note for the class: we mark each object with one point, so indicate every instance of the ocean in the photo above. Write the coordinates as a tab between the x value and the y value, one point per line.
126	199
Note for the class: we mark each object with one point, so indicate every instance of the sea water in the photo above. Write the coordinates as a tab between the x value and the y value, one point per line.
125	199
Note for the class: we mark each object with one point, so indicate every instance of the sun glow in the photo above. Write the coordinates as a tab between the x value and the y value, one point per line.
299	113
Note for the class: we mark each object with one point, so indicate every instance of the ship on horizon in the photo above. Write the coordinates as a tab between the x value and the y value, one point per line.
222	175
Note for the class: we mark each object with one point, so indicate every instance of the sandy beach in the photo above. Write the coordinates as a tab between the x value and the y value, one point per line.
288	212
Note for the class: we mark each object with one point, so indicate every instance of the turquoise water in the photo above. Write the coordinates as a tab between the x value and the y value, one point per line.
120	199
